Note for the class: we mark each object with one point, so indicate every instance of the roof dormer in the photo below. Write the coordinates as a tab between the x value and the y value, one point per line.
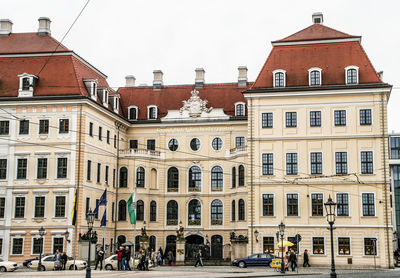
114	102
91	87
27	84
102	93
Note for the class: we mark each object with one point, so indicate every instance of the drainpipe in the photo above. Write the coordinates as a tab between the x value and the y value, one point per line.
116	188
251	177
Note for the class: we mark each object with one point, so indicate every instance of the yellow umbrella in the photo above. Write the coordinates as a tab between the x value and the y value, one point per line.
285	243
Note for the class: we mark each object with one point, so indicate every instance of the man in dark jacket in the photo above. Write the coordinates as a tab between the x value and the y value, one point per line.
293	260
64	259
306	259
199	260
119	257
127	255
100	257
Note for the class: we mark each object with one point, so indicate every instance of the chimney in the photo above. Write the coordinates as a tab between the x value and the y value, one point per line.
199	81
317	18
242	79
44	26
130	81
5	27
380	74
158	79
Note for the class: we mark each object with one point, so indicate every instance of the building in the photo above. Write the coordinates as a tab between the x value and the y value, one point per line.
215	158
394	162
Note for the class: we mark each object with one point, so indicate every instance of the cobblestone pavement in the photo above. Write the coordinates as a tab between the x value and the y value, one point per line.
210	272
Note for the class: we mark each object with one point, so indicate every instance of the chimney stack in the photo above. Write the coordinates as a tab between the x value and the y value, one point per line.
44	26
242	79
199	81
317	18
5	27
158	79
130	81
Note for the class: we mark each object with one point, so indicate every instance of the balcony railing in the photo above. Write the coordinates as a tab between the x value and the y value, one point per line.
241	150
194	189
216	221
142	153
194	222
172	222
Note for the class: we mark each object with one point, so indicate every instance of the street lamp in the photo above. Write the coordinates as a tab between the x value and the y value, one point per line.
256	235
41	234
90	221
282	232
330	207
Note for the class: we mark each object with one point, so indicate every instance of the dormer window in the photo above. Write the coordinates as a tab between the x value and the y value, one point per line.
133	113
91	86
314	76
279	78
240	109
105	97
116	104
351	73
26	84
152	112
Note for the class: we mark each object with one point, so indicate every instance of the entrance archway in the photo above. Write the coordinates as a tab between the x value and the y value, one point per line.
121	240
192	246
216	247
171	245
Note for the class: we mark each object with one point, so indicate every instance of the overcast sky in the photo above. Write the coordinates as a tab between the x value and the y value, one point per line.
122	37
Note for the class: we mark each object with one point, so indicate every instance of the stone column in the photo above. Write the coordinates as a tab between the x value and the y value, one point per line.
180	251
238	246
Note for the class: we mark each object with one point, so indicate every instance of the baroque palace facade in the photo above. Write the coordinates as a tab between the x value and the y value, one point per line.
215	158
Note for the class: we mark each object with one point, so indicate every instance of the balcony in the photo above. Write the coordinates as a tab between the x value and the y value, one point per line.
238	151
172	222
142	153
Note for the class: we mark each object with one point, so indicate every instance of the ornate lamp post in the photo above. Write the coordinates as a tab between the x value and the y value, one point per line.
41	234
282	232
330	207
256	233
90	221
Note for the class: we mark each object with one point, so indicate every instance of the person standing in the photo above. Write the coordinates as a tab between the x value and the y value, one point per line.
293	259
119	258
159	258
127	255
199	260
170	257
64	259
100	257
306	259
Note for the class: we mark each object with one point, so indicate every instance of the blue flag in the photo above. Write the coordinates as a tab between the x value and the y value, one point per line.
102	202
104	219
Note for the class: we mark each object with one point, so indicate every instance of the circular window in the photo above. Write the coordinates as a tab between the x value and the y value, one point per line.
173	145
195	144
217	143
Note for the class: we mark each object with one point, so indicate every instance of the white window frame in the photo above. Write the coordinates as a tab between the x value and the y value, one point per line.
349	204
273	164
39	194
201	212
179	182
298	204
373	162
129	111
262	204
150	210
93	89
299	243
105	97
116	103
166	211
16	166
145	176
244	108
202	178
312	246
191	146
13	207
361	205
359	118
345	74
69	126
222	146
320	76
39	156
62	155
52	242
2	246
310	164
43	241
223	179
337	244
223	212
284	78
12	245
323	208
38	130
377	246
54	205
262	243
148	112
29	92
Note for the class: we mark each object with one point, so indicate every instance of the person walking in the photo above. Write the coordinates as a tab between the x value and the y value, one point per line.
119	258
293	259
170	257
159	258
306	259
199	260
127	255
162	255
64	259
100	257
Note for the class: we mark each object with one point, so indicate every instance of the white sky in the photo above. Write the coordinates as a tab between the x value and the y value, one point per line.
122	37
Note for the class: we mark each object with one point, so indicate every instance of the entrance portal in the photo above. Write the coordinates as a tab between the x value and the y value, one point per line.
192	246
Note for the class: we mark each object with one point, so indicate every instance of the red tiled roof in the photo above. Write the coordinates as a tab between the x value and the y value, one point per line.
29	43
171	97
316	32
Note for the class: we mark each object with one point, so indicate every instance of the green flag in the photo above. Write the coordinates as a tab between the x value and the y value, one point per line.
132	208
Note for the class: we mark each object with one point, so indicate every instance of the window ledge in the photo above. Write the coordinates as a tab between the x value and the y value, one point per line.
293	216
367	216
268	216
319	255
350	255
367	174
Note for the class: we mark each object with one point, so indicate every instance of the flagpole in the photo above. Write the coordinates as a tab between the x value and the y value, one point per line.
134	234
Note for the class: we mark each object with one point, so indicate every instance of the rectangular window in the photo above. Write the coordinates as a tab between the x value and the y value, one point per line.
342	200
341	163
317	204
58	244
113	212
91	129
24	127
106	175
4	127
96	215
151	144
87	206
365	117
315	118
19	207
239	141
21	168
114	177
370	246
268	245
291	119
267	163
100	133
316	163
344	246
367	164
3	169
60	206
64	126
340	117
394	147
292	239
36	245
40	203
108	137
42	168
368	204
98	172
89	170
268	204
17	246
291	164
318	246
267	120
133	144
1	246
292	201
43	126
115	141
2	207
62	166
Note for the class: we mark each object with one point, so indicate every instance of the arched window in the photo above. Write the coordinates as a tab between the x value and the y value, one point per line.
241	210
122	210
152	243
279	79
233	179
240	109
153	211
153	176
241	175
140	210
173	180
123	177
351	74
172	213
217	212
133	113
315	76
140	177
216	247
233	210
194	215
152	113
195	179
216	178
121	239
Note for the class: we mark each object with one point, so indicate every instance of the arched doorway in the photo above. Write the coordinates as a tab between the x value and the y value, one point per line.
192	246
216	247
170	245
121	240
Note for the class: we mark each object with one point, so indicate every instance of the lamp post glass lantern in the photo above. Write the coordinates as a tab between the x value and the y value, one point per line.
41	234
282	232
330	208
90	221
256	235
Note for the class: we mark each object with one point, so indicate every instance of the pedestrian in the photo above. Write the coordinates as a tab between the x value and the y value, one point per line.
293	259
119	257
162	255
64	260
142	261
153	257
170	257
199	260
159	258
306	259
287	259
127	255
100	257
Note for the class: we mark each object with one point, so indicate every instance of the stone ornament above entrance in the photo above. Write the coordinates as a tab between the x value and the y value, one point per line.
195	105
